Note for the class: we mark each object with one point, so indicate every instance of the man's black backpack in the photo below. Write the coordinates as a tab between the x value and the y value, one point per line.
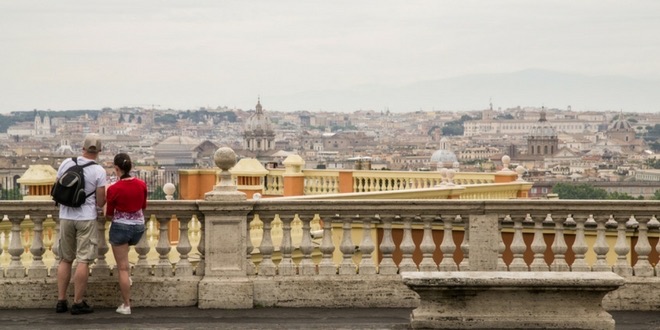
69	190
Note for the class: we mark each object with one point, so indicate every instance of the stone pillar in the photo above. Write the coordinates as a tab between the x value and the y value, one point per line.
345	181
505	174
294	178
225	284
484	229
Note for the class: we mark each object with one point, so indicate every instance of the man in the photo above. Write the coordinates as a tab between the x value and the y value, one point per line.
78	234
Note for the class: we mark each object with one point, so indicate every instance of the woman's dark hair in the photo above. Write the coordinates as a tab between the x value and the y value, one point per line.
124	163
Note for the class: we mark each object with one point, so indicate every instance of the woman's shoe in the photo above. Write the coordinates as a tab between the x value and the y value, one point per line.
123	309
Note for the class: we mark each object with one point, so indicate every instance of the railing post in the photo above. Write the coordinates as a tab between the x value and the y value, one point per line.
407	247
37	268
448	246
600	247
580	247
345	181
307	266
225	283
643	248
538	245
427	246
387	247
484	229
505	174
327	266
347	248
101	267
559	246
142	267
184	267
367	247
622	248
293	177
16	249
655	224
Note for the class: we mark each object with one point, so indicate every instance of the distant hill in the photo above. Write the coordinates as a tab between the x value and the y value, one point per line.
531	87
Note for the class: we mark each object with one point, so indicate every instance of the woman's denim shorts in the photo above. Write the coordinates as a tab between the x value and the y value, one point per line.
121	233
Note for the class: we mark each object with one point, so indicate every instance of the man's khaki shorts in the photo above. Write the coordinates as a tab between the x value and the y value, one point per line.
78	240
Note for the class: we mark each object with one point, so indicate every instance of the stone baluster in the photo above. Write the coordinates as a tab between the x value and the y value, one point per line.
580	247
250	267
622	248
367	247
327	266
643	267
201	247
267	266
101	267
347	248
16	249
559	246
538	245
387	247
306	263
655	224
55	248
142	267
407	247
501	247
37	268
427	246
184	267
164	267
518	246
601	248
465	244
448	246
286	266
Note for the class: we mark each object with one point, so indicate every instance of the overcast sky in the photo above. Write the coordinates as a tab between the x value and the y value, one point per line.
87	54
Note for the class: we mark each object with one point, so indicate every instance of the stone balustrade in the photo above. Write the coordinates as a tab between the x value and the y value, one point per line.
337	253
295	180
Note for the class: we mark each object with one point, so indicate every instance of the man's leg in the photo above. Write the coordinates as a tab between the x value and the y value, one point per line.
63	278
80	281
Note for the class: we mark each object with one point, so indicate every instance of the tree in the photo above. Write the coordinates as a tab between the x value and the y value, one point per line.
10	194
622	196
578	191
656	195
586	191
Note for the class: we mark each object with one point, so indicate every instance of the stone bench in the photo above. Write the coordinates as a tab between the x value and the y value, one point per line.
511	300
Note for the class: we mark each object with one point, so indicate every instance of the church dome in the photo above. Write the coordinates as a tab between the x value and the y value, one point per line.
543	129
621	124
258	122
444	157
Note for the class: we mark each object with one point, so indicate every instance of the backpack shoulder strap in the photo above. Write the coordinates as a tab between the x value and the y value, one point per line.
90	163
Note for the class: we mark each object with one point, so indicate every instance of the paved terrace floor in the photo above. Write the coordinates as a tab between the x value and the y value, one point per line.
260	318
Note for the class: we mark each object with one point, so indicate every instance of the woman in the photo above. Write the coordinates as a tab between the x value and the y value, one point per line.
126	199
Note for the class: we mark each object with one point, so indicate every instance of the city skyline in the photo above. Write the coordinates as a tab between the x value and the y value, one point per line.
339	56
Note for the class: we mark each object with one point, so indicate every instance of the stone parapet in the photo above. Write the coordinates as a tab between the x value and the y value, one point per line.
511	300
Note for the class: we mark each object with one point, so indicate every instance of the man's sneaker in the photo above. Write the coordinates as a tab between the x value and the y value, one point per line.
81	308
123	309
62	306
